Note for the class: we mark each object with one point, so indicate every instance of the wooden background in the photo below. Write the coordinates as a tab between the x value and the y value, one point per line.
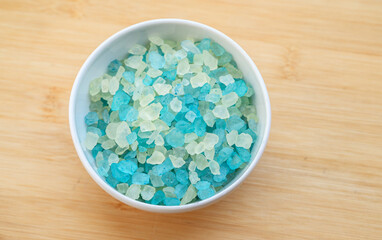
320	176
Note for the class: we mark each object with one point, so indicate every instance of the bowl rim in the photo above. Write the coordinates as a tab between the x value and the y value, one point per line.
145	206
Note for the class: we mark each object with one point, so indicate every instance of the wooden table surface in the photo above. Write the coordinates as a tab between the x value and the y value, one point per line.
319	178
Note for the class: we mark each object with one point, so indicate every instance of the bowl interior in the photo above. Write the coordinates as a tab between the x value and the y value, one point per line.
116	47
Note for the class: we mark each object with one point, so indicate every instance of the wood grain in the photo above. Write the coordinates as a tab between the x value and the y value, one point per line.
320	176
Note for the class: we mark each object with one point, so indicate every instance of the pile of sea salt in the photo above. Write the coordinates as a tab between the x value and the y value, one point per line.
172	123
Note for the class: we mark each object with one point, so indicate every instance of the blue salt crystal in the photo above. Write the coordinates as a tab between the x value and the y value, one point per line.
102	171
169	179
224	154
224	170
148	81
129	76
190	57
206	69
106	116
132	115
204	44
166	99
201	185
140	178
234	162
102	126
142	148
240	87
184	127
175	138
194	108
94	130
127	166
182	176
178	89
130	154
217	73
117	174
157	61
230	88
113	67
200	127
120	98
106	154
180	190
132	137
96	149
159	196
206	88
252	134
234	122
162	168
206	193
167	117
169	75
171	201
214	98
188	99
244	154
220	123
91	118
224	59
111	181
217	49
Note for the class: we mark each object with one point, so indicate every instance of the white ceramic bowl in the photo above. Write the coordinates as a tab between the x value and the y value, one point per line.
116	47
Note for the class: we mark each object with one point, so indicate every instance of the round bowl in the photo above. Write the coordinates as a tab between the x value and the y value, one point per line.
116	47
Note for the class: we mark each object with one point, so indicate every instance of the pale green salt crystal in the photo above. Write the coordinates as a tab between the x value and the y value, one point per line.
234	111
152	72
108	144
122	188
209	60
159	140
221	112
153	136
226	79
170	59
162	89
189	137
167	49
147	192
134	191
122	131
192	166
200	147
185	82
209	118
146	99
214	167
153	47
180	54
144	134
232	137
160	125
134	61
189	195
201	162
161	149
169	192
236	73
137	49
156	40
210	154
183	67
198	59
216	91
119	73
134	146
156	158
113	158
177	162
238	103
91	140
210	140
99	159
176	105
244	140
151	112
140	68
95	98
155	180
95	86
249	92
119	151
191	147
114	118
113	85
199	80
194	178
141	156
102	139
230	99
195	68
105	85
